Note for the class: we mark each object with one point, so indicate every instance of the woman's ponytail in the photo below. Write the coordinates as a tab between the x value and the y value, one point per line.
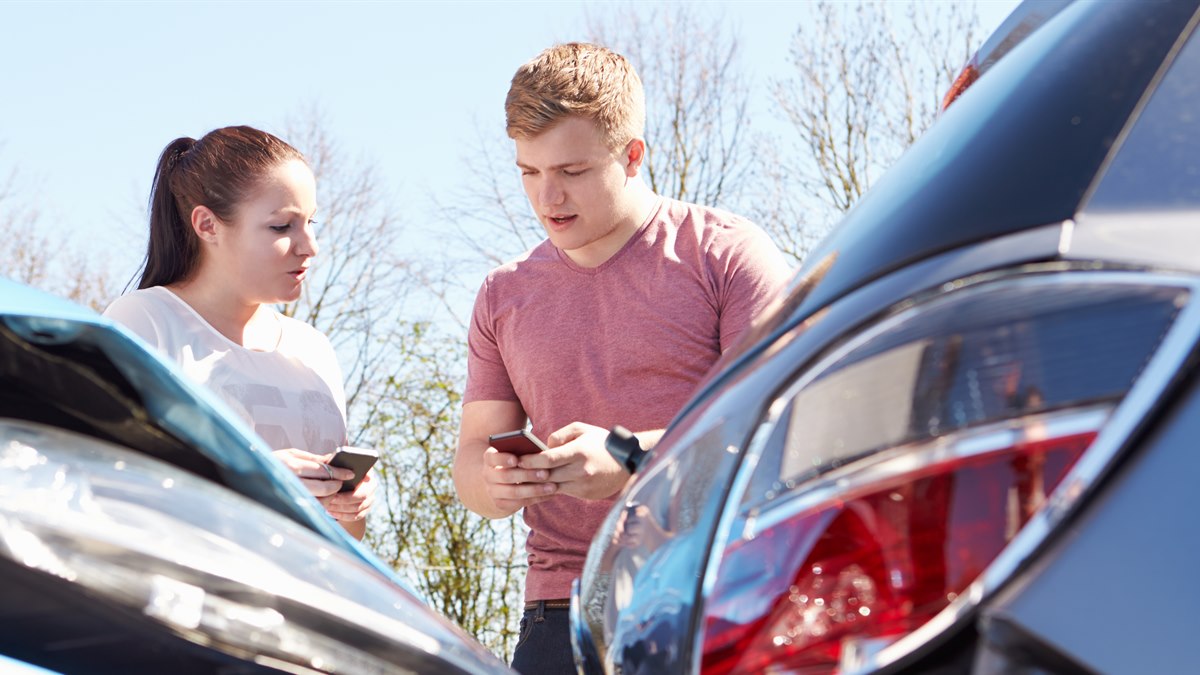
173	249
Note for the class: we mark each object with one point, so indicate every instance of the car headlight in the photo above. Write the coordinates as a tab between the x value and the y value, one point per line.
167	548
891	484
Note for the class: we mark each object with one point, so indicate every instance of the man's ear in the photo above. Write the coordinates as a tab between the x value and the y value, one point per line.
635	154
204	224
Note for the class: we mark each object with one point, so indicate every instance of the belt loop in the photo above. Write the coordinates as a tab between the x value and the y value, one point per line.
540	615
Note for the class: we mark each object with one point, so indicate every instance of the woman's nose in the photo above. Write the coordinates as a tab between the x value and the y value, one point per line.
306	243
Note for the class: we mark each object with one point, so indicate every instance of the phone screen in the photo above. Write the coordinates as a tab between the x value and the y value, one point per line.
519	442
358	460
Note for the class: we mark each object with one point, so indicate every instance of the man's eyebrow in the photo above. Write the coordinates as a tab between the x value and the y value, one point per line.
563	165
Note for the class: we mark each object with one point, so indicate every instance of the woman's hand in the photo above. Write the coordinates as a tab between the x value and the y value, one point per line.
352	506
323	481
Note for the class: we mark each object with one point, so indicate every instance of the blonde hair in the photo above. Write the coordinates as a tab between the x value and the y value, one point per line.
581	79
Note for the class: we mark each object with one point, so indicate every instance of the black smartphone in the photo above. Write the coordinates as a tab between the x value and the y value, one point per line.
358	460
519	442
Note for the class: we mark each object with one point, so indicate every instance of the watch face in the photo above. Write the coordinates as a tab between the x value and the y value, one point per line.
625	448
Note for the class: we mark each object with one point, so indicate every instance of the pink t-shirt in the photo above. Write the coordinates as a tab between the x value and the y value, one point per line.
623	343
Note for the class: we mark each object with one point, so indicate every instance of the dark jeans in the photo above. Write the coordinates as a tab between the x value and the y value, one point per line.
545	643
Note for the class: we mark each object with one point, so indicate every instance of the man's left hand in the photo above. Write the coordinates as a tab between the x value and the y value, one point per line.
579	463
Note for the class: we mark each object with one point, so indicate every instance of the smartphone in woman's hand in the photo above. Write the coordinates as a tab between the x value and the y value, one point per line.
358	460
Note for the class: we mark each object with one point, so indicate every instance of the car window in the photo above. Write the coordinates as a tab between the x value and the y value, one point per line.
1158	165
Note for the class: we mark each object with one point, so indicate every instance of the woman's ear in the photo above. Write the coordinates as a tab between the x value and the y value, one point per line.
204	224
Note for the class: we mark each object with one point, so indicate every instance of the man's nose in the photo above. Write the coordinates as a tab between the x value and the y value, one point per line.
550	193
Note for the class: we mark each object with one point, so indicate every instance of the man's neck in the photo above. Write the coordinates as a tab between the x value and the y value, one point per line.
642	203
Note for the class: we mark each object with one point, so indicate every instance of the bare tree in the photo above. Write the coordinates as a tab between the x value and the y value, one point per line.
359	285
31	257
697	94
866	85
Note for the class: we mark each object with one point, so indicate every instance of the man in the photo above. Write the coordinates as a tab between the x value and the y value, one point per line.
614	319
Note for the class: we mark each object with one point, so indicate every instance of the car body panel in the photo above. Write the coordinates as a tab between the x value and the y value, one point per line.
1126	567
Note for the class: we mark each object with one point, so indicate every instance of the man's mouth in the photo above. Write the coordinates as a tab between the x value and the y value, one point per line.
561	221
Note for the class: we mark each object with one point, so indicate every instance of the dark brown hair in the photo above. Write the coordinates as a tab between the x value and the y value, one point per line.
217	171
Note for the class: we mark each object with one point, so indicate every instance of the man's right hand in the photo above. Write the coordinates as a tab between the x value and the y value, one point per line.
511	487
488	481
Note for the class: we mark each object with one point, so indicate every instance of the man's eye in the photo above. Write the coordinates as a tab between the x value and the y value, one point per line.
280	228
574	173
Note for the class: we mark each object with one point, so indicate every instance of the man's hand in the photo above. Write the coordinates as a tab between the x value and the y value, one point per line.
578	462
511	487
488	481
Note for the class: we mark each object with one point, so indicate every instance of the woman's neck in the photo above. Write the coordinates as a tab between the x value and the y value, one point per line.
251	325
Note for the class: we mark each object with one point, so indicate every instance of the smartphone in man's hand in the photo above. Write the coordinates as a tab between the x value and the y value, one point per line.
519	442
358	460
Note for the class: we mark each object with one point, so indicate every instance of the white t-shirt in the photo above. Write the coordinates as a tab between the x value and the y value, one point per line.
291	396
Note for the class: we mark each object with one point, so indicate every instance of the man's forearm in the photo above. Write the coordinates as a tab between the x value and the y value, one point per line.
470	486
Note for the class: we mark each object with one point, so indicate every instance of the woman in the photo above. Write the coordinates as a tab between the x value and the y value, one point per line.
231	234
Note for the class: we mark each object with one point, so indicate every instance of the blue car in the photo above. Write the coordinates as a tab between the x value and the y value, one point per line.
965	441
145	529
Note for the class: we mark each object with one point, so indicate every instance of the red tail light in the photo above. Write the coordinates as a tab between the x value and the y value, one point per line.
965	79
888	477
877	562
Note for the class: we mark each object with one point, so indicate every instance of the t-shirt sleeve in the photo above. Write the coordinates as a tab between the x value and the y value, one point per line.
487	376
755	272
133	312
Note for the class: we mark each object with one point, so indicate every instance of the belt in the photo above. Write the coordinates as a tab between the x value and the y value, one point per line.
556	603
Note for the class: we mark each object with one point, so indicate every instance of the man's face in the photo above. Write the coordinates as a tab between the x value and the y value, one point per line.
577	186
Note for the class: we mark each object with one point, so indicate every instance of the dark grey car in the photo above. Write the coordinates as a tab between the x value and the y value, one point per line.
145	529
965	440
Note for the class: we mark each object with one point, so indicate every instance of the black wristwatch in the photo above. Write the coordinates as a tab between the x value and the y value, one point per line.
625	448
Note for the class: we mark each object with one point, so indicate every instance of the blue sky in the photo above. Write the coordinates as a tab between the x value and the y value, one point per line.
90	92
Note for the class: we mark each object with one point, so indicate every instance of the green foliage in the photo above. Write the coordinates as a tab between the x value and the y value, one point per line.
468	567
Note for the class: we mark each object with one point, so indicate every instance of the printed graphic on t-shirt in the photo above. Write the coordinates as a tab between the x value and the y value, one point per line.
267	409
316	406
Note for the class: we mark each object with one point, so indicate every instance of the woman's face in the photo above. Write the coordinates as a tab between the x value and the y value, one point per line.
264	254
